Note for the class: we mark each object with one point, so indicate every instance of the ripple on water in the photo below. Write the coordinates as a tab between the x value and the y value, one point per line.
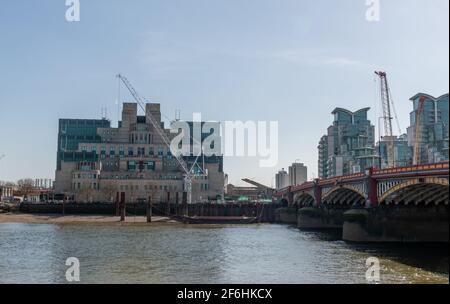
208	254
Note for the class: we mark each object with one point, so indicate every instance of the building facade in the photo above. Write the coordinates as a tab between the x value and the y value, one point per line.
434	127
6	192
43	183
298	174
96	161
403	153
243	194
323	157
349	144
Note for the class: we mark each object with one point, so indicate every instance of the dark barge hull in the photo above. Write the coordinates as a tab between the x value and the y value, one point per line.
217	220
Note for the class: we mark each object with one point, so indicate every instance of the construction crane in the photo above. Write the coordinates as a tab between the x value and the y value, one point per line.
268	192
386	102
189	173
256	184
418	132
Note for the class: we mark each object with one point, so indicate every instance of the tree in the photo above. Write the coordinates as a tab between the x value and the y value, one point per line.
26	186
109	191
85	193
8	184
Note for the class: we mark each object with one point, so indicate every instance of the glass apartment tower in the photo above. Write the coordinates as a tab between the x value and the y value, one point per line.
349	144
434	128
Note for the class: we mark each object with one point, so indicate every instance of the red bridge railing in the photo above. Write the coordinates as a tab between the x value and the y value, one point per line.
439	166
376	172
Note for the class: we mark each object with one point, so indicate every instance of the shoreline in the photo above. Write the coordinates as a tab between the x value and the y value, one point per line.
21	218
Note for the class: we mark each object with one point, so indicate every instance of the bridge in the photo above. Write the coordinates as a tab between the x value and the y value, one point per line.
405	190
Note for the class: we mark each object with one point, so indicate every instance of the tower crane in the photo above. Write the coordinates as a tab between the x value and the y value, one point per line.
386	102
189	173
418	132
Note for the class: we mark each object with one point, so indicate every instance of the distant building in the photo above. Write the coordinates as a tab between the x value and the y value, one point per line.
246	194
298	174
95	161
6	192
43	183
282	179
349	144
403	153
323	157
434	128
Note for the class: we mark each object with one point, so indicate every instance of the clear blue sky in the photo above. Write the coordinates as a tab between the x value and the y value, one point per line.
291	61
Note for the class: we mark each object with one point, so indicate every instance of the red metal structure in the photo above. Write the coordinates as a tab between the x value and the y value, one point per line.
427	184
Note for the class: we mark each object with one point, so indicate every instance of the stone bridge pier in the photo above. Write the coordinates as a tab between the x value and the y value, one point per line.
412	210
323	204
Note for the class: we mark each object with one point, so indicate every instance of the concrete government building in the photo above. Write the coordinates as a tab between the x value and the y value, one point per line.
96	161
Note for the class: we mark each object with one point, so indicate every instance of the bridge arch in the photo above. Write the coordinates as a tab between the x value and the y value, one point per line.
304	199
419	191
284	202
344	196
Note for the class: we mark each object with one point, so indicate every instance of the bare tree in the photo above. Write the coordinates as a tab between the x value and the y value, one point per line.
26	187
109	190
85	193
9	184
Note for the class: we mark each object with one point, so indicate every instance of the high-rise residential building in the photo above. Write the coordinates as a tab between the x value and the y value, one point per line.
403	153
349	143
434	143
96	161
323	157
281	179
298	174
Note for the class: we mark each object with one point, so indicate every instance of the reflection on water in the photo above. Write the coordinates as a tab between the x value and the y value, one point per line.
211	254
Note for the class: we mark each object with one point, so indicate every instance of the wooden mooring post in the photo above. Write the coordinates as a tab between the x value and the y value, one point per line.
184	205
64	207
168	204
122	207
118	204
149	210
177	203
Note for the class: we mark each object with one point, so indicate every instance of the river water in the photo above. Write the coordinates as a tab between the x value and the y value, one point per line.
206	254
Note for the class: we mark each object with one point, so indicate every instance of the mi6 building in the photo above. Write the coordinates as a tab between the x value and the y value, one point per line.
96	161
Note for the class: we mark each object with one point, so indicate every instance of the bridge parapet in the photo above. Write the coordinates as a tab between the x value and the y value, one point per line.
340	179
431	169
305	186
374	185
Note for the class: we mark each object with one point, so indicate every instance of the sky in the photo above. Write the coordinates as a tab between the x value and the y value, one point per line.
291	61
